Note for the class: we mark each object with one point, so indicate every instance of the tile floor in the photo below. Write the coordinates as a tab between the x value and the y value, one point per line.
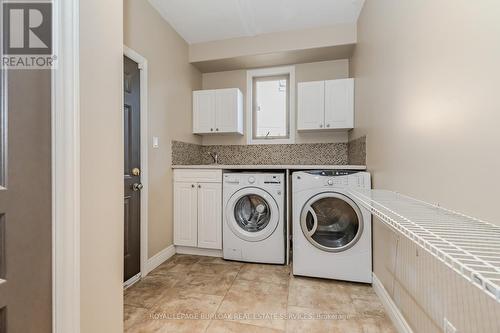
203	294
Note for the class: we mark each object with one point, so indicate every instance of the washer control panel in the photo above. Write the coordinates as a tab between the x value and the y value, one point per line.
256	179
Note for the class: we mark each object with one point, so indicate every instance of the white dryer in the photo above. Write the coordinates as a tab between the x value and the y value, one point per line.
253	224
331	233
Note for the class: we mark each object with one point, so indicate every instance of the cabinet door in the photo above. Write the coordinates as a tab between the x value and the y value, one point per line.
311	108
210	215
204	111
226	110
339	104
185	214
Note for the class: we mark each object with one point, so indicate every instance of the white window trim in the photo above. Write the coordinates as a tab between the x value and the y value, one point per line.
287	70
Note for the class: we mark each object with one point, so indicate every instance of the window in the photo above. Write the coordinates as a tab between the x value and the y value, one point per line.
271	109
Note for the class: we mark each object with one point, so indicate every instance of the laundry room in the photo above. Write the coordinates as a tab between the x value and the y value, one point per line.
272	166
301	191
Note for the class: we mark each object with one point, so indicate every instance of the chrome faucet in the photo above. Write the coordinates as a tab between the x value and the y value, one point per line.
215	157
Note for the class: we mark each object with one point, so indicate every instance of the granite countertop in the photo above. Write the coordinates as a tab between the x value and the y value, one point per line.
273	167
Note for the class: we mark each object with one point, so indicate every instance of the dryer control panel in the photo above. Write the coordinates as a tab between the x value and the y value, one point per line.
332	173
333	178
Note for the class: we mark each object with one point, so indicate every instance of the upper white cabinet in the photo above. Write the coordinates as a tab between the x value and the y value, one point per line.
326	105
203	111
311	97
218	111
339	103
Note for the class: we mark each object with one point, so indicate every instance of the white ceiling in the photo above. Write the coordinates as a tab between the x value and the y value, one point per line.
208	20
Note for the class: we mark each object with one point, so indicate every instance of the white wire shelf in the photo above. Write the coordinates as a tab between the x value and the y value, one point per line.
469	246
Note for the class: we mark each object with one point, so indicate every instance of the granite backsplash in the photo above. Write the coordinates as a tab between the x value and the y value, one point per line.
293	154
184	153
356	151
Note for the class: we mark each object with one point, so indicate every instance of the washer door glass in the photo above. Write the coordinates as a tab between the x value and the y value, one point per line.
331	222
252	213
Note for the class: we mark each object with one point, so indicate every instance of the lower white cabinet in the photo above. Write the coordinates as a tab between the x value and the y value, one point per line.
198	208
210	215
185	214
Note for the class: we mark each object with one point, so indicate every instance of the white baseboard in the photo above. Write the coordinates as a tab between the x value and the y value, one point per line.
133	280
159	259
197	251
391	308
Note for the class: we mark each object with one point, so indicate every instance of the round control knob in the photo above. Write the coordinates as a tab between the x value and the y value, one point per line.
251	180
330	181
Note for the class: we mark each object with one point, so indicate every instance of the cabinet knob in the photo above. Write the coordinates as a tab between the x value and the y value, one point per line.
217	129
199	186
192	185
211	130
321	126
327	125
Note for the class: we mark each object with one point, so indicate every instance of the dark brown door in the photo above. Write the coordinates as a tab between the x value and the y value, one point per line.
132	179
25	204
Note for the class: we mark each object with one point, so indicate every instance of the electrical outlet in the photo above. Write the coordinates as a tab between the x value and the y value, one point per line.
448	327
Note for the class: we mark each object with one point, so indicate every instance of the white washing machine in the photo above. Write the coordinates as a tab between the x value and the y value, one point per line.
332	235
253	224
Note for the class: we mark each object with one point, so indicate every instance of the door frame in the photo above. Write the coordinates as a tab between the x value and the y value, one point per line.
143	68
65	105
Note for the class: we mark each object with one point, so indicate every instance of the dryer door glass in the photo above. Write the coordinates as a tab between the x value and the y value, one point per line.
331	222
252	213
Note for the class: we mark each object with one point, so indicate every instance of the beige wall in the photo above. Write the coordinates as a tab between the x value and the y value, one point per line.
101	68
339	34
325	70
171	82
427	76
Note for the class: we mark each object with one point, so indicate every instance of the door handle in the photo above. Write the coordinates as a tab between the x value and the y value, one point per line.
137	186
136	172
